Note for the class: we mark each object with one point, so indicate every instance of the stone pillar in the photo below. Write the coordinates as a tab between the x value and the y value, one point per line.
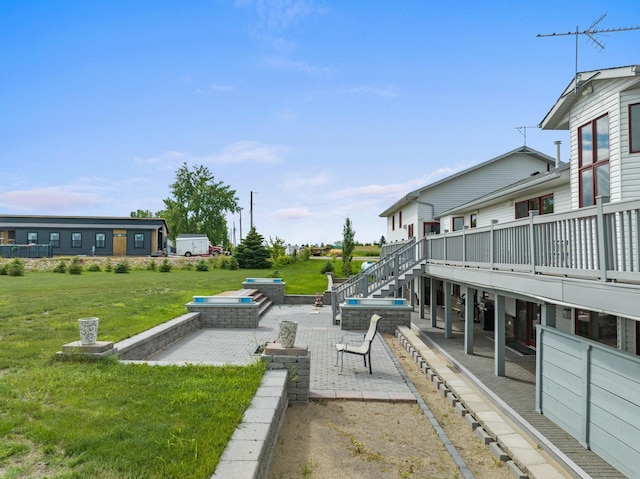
297	361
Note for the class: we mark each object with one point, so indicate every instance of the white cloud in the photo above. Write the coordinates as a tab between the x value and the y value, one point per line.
216	88
249	151
286	64
52	199
388	91
234	153
293	213
310	180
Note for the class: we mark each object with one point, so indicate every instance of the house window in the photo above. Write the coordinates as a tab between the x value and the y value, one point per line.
473	220
400	220
101	240
138	240
430	228
76	240
634	128
410	231
457	223
32	237
393	223
599	327
593	160
54	239
543	205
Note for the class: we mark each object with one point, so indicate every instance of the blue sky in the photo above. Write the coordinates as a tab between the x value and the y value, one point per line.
324	109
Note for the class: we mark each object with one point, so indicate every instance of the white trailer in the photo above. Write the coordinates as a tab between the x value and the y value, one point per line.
192	245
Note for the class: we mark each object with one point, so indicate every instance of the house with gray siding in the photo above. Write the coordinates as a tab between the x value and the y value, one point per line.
565	282
84	235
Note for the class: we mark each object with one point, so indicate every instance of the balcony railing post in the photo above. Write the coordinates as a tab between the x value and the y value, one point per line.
444	246
492	245
532	241
601	231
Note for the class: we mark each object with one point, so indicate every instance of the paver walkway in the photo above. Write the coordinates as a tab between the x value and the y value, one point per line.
317	332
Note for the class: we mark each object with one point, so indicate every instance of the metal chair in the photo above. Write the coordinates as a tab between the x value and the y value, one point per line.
360	347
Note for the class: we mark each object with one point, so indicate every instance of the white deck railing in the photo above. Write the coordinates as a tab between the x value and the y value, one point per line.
600	242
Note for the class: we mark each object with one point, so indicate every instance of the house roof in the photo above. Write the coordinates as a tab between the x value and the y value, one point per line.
557	118
415	194
114	222
535	182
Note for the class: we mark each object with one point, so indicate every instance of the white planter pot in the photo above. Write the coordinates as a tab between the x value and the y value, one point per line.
88	330
287	336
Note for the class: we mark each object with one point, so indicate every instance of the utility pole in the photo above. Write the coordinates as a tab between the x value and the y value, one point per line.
251	210
590	33
240	211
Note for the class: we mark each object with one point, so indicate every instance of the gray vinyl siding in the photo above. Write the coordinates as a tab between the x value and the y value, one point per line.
592	391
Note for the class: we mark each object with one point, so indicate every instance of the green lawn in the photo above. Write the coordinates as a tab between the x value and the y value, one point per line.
67	418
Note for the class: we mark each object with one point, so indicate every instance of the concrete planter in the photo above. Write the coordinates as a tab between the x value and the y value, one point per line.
88	330
287	335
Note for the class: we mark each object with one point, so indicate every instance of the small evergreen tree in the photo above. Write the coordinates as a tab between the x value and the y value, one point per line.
252	253
348	246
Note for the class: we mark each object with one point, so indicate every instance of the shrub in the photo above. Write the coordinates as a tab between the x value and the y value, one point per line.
223	263
94	267
151	265
75	267
3	269
305	253
108	267
61	267
16	267
165	266
202	266
327	268
233	264
122	267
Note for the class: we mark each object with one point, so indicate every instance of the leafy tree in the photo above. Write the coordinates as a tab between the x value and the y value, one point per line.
348	246
382	241
252	253
198	204
142	214
276	249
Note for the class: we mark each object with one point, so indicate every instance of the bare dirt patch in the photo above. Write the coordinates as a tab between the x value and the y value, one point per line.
355	439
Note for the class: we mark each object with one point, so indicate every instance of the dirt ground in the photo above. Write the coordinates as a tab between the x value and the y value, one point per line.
355	439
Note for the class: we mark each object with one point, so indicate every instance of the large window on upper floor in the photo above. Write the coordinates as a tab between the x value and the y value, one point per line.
457	223
593	160
634	128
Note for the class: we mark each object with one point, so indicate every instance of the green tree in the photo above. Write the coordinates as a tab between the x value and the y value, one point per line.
142	214
348	246
276	249
252	253
382	241
199	204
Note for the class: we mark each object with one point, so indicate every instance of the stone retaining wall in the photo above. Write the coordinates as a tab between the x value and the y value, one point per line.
297	361
274	291
250	451
142	345
226	316
357	318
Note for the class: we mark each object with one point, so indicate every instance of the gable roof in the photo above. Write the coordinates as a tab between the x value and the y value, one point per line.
415	194
551	178
557	118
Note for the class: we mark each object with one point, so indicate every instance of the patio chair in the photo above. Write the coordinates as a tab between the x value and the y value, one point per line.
361	347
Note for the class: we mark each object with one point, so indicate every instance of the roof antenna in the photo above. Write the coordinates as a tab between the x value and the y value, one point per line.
523	132
591	34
